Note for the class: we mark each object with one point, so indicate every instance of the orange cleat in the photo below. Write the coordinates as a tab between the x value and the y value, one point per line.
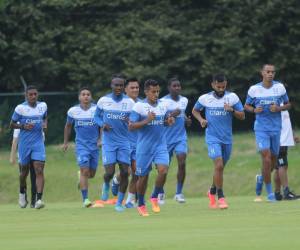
97	204
155	206
222	203
143	211
212	200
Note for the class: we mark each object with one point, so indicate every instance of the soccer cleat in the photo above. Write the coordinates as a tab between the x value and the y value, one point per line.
119	208
179	198
161	198
271	197
105	193
23	200
212	200
87	203
115	186
155	206
278	196
98	204
222	203
258	199
259	184
143	211
291	196
129	204
39	204
33	200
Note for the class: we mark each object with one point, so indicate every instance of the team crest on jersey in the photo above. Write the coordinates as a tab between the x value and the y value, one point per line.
124	106
40	109
275	91
161	109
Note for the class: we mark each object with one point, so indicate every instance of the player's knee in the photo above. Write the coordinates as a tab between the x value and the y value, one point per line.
162	171
85	172
39	170
92	174
109	175
124	173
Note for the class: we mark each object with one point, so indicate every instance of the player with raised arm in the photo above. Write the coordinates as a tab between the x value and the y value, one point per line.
264	99
31	118
87	136
149	117
112	115
176	135
220	106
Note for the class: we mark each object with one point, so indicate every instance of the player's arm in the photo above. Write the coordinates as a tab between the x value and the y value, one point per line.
196	113
99	141
14	144
67	134
276	108
134	123
188	120
236	109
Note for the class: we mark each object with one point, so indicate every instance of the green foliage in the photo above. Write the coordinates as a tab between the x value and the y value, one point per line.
63	44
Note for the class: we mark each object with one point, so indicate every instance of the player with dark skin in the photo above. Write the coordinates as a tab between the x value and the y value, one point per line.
32	98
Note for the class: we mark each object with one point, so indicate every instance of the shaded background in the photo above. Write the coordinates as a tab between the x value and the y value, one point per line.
61	45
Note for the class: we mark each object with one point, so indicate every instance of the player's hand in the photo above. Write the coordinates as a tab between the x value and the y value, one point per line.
297	139
106	127
28	126
274	108
258	109
228	108
176	112
65	147
170	120
188	121
151	116
12	161
203	123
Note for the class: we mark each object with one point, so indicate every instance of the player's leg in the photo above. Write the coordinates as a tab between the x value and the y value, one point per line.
123	186
24	166
130	201
40	181
263	142
84	176
33	185
109	159
180	151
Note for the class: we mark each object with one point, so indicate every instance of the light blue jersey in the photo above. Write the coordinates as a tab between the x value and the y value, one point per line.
114	111
151	141
31	142
87	131
219	126
176	132
258	95
133	135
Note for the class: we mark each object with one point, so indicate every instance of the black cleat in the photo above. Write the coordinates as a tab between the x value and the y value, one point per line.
278	196
291	196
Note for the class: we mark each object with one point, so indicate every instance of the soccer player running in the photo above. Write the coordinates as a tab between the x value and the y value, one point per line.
112	116
149	117
220	106
12	160
176	135
132	89
264	99
31	118
87	136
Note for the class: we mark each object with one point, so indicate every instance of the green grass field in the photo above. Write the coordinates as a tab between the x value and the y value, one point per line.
64	224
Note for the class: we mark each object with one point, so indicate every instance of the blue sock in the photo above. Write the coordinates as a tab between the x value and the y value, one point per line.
269	188
259	185
106	186
156	191
120	198
84	193
179	188
141	200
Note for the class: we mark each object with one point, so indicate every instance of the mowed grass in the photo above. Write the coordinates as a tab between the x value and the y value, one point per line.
64	224
245	225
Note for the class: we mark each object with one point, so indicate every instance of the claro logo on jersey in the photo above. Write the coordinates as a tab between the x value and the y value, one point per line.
156	122
266	102
121	116
86	123
218	112
33	121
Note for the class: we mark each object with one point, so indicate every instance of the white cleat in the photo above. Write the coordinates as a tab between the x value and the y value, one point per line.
179	198
161	199
22	200
39	204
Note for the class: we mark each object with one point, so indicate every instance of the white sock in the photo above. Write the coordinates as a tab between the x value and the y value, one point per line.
130	197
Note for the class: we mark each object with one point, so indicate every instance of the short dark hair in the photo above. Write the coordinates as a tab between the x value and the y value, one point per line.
30	87
173	79
265	64
84	88
131	79
118	75
220	77
150	82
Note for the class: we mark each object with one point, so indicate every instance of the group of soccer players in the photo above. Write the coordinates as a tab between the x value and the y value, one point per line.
136	133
